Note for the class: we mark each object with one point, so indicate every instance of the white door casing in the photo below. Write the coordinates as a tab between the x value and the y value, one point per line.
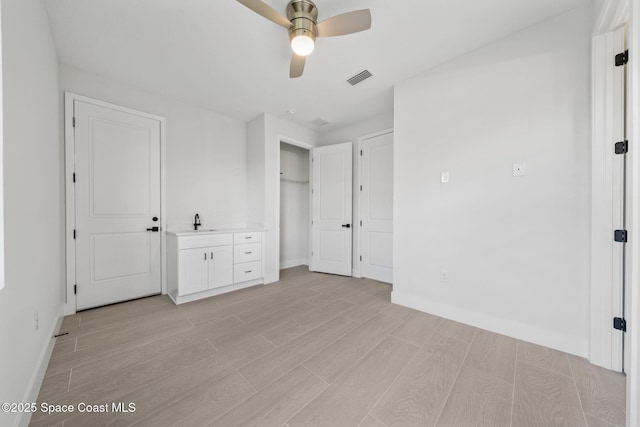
376	207
332	178
607	200
117	193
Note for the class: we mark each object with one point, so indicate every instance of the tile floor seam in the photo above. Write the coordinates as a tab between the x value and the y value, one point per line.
407	364
372	406
289	370
430	337
212	345
469	343
404	341
332	342
255	391
455	380
69	382
314	373
377	419
575	384
310	330
271	342
366	353
545	369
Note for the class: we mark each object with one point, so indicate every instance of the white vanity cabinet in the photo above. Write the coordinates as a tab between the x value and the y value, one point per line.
202	264
204	268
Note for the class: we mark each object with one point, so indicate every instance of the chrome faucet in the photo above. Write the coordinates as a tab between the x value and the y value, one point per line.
196	222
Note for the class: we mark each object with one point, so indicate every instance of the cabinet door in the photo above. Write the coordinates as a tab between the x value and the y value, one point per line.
220	266
194	273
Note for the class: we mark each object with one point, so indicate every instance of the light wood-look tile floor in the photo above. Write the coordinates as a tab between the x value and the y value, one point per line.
313	350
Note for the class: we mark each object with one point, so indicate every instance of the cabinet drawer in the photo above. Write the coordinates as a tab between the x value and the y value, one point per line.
204	241
247	271
246	253
251	237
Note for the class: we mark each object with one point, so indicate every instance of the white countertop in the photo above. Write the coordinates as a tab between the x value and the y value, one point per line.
213	231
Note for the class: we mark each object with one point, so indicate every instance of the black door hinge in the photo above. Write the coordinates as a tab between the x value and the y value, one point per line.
620	324
360	257
622	147
74	177
74	234
361	188
75	289
73	122
361	152
622	58
620	236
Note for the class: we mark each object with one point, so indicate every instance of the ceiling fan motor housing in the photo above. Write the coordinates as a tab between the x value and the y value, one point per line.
303	15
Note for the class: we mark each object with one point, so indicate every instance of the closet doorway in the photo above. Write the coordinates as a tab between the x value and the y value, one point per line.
295	204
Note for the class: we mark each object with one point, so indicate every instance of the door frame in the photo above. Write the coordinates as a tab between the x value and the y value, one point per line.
69	148
357	232
605	343
633	298
308	147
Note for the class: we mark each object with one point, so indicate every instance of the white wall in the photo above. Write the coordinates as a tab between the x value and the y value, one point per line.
265	133
295	218
33	197
206	152
516	250
352	133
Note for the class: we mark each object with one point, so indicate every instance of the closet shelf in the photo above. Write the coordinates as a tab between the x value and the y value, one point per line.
296	181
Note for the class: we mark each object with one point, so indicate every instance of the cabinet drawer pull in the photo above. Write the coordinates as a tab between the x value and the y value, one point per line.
248	237
205	256
247	271
211	257
248	253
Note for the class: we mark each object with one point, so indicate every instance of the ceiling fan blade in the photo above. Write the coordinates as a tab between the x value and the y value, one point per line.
261	8
346	23
297	66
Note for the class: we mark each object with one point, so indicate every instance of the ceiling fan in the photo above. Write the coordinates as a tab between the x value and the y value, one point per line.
301	22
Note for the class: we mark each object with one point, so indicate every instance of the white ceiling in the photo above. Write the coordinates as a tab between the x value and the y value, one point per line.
219	55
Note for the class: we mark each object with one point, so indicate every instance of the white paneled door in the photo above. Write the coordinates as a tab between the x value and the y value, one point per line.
117	214
332	206
377	208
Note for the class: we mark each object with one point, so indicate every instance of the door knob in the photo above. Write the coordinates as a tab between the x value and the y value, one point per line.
346	225
154	229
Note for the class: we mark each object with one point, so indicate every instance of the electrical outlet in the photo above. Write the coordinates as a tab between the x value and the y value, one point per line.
444	177
444	276
36	321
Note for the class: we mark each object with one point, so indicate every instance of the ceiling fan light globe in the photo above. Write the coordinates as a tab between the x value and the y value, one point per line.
302	45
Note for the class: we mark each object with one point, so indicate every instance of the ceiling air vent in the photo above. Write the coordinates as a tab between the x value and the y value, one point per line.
360	77
320	122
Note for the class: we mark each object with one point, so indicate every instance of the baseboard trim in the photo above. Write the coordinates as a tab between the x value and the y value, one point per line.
293	263
546	338
35	383
272	278
177	300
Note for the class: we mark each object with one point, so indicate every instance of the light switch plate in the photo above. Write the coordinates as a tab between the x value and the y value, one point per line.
519	169
444	177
